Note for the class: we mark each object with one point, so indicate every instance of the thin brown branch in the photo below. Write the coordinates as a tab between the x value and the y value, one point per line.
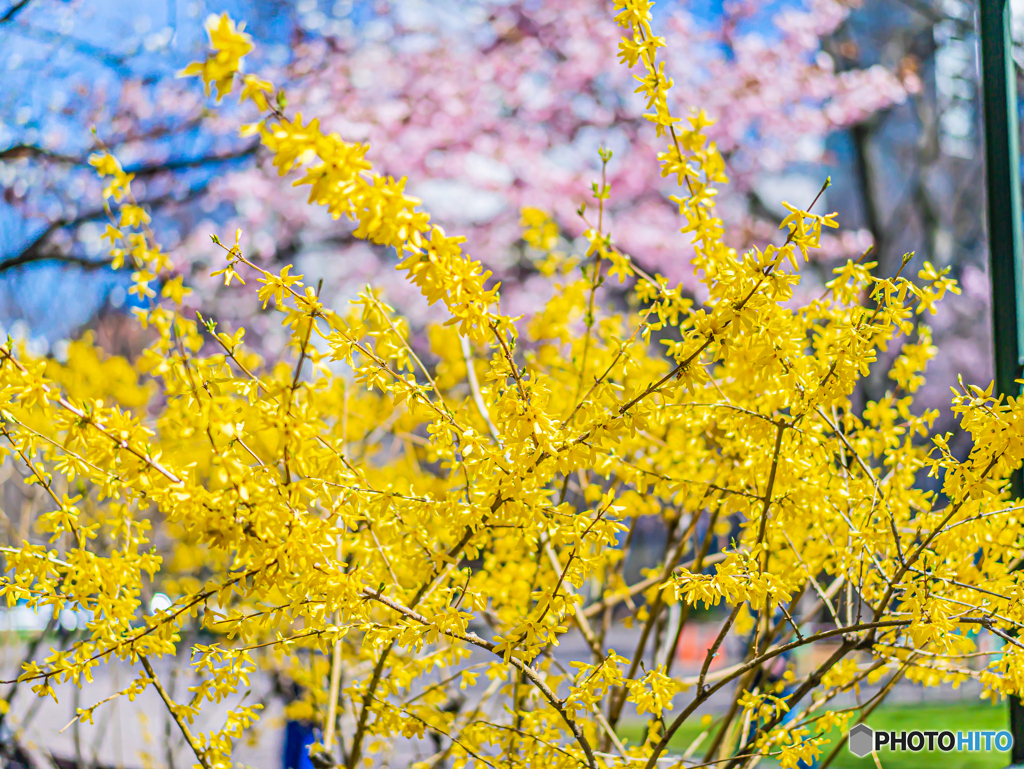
175	712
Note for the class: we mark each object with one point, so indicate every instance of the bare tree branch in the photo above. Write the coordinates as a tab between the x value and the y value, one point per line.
39	251
19	151
14	10
111	60
930	12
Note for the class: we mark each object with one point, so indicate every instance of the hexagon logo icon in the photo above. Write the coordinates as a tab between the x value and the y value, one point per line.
862	739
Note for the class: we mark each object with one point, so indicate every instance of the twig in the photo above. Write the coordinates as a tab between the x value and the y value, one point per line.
474	388
172	706
713	651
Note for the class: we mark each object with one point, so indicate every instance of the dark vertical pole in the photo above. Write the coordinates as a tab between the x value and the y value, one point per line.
1002	163
1003	187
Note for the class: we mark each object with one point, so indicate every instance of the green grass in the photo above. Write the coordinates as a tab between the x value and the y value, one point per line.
967	715
687	733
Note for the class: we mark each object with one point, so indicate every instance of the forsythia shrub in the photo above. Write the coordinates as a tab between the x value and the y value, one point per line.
386	530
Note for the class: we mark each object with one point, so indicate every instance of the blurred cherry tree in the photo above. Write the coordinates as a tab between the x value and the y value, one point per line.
512	113
487	106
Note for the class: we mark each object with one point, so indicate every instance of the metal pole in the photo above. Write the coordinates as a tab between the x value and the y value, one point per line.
1006	255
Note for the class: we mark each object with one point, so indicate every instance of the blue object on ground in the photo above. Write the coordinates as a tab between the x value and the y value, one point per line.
298	736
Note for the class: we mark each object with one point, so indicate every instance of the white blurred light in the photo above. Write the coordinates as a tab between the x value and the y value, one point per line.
160	602
68	619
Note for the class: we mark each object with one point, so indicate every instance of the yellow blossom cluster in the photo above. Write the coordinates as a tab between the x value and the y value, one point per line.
383	519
